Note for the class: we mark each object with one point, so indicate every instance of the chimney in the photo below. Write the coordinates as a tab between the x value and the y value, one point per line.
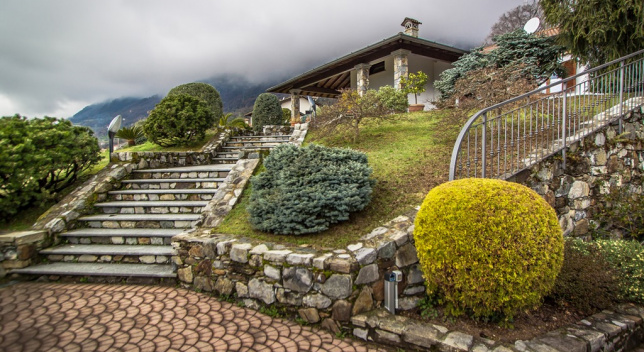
411	26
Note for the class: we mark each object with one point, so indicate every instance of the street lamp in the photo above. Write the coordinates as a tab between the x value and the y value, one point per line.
114	126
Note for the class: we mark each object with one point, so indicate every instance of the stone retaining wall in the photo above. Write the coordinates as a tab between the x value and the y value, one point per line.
594	165
19	249
321	286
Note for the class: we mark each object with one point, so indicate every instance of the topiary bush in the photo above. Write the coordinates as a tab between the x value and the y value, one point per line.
203	91
586	280
178	120
266	111
305	190
488	248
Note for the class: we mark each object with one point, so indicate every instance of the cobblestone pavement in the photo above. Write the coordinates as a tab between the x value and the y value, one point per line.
93	317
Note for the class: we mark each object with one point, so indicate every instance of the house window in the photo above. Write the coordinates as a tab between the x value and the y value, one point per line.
379	67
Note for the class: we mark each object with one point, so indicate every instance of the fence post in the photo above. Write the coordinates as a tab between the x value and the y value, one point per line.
564	130
621	95
484	141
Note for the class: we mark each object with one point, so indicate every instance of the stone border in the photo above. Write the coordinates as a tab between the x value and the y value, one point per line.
617	330
228	193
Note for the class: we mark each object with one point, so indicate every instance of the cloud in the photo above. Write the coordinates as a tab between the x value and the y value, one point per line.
58	55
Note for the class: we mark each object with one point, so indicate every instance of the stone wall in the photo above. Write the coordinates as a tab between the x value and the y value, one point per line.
595	166
20	249
320	286
618	330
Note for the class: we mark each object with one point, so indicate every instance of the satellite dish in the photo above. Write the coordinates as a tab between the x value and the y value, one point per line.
115	125
532	25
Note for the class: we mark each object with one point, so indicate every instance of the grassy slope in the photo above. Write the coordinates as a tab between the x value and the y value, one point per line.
408	160
151	147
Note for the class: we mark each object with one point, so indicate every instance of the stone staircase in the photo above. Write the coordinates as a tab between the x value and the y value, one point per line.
130	233
236	146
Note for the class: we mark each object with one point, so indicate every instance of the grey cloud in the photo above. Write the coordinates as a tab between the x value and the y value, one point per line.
64	53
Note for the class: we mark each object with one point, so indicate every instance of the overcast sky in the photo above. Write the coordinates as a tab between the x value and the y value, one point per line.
56	57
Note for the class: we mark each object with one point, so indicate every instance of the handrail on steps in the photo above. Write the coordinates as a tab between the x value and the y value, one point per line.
504	139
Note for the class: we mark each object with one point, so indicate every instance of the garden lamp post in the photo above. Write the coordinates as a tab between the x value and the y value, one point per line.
114	126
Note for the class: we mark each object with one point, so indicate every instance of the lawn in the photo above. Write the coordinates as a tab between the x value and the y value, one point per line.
408	158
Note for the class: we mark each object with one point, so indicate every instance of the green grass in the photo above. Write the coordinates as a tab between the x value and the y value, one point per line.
408	159
151	147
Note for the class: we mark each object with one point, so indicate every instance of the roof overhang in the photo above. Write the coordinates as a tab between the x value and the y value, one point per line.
328	79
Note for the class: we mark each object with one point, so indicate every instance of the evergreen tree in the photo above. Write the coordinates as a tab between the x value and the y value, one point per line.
597	31
539	55
202	91
266	111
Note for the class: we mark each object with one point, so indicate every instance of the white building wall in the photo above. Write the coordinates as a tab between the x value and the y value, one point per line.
304	104
432	67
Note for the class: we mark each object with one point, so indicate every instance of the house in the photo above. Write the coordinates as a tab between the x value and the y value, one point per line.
304	104
379	64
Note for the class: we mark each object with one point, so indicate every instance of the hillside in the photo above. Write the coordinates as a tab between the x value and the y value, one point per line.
237	94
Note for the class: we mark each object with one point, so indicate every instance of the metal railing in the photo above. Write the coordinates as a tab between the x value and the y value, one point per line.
502	140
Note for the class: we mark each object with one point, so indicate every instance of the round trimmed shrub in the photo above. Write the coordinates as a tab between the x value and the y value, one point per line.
178	120
266	111
305	190
488	248
203	91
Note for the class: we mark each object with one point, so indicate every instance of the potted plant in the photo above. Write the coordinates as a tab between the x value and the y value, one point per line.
414	83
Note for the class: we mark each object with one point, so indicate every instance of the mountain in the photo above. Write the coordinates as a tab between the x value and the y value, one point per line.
98	116
237	94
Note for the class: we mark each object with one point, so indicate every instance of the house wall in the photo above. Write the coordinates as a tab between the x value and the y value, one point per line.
432	67
304	104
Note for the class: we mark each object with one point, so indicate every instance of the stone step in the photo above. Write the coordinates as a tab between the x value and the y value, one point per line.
166	221
250	142
152	207
173	183
121	236
224	159
100	269
88	232
110	253
107	249
158	203
248	148
200	171
197	168
199	194
280	136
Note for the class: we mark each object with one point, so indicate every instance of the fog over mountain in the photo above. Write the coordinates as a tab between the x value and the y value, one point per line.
56	57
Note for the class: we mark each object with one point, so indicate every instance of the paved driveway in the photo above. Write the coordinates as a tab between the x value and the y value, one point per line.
93	317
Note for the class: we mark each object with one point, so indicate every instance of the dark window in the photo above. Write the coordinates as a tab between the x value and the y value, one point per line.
379	67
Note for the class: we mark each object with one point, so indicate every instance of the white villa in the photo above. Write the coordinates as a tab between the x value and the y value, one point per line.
383	63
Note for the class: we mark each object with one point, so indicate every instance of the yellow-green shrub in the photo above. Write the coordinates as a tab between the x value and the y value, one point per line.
488	247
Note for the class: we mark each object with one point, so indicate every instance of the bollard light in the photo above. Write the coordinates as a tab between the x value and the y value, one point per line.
392	278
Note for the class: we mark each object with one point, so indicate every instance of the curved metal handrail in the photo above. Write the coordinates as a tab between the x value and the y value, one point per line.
483	113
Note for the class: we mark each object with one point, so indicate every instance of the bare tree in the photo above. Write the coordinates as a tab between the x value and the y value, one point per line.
513	20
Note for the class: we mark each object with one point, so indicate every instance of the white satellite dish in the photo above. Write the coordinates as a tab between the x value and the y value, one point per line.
532	25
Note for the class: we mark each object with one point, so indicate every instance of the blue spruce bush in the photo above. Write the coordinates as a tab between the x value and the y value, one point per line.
305	190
